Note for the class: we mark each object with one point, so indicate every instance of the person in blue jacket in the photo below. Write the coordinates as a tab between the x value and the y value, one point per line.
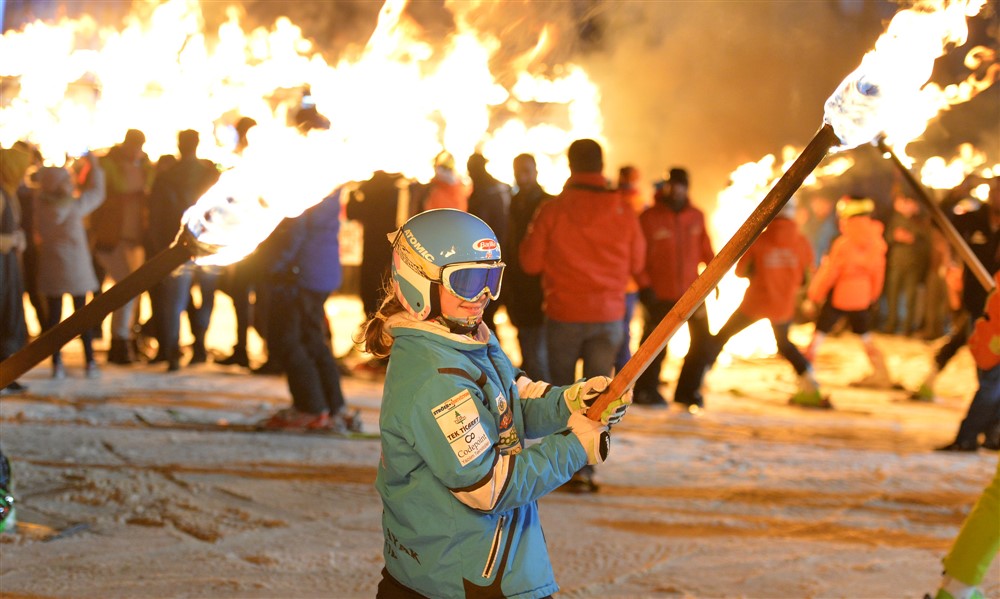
304	271
458	483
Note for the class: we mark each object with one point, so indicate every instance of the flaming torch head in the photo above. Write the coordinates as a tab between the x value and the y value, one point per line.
882	95
226	224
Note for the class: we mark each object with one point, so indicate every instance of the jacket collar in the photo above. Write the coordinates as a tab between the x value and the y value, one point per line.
591	180
405	324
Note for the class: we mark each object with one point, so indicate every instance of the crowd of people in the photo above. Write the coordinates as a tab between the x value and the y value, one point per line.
578	267
859	263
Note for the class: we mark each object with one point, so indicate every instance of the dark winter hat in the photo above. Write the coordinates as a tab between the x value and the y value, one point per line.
678	175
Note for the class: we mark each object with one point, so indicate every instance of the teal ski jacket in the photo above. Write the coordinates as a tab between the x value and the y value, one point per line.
458	483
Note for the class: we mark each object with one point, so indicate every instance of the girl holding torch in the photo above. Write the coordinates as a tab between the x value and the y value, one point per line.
458	484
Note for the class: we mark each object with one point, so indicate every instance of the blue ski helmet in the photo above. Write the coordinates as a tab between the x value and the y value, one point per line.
432	240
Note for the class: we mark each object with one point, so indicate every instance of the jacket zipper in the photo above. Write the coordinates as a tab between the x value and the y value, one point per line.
494	548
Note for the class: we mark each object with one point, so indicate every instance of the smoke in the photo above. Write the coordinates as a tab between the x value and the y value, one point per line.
712	85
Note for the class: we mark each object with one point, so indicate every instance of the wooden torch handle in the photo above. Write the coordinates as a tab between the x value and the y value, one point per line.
744	237
92	314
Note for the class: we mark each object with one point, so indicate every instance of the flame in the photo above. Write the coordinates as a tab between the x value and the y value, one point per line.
939	173
395	104
888	94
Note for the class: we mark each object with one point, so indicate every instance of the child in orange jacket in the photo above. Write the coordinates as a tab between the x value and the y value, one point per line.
777	265
849	281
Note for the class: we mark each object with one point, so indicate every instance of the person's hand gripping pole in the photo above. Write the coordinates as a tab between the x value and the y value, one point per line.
594	433
580	397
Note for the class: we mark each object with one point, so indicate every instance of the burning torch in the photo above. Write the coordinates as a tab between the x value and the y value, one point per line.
211	233
862	108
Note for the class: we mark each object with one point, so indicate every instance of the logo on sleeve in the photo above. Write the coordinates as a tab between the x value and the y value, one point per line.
510	441
460	423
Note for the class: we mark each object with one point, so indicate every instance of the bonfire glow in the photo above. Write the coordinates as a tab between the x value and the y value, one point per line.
392	106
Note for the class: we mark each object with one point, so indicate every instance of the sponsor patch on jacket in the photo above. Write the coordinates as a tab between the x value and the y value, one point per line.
459	421
510	442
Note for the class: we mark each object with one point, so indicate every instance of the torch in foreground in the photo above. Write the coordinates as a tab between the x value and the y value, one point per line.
869	102
938	216
214	230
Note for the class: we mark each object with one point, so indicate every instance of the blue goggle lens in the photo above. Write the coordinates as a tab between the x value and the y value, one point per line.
468	282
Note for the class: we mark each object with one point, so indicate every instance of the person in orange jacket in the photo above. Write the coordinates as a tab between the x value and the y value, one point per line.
446	190
777	265
849	281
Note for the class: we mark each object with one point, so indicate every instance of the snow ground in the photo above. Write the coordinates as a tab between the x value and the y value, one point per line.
749	498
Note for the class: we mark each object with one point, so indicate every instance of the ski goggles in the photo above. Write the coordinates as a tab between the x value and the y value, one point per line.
470	280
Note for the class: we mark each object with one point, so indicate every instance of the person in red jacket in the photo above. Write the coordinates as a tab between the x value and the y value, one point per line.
585	243
777	265
849	281
677	243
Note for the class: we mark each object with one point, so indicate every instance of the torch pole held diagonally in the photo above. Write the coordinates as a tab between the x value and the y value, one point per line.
970	259
91	315
809	159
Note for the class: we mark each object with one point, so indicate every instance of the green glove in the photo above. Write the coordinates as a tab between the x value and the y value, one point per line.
581	395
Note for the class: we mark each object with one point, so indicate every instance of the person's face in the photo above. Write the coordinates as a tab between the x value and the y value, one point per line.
822	207
525	173
458	309
678	191
905	206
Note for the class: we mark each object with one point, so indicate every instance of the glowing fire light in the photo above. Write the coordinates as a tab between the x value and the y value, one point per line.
393	106
889	94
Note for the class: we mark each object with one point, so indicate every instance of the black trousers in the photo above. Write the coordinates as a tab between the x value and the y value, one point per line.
739	321
688	382
302	344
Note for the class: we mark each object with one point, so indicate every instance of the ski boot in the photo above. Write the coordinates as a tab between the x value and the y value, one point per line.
344	422
924	393
810	399
582	481
956	590
8	517
297	421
